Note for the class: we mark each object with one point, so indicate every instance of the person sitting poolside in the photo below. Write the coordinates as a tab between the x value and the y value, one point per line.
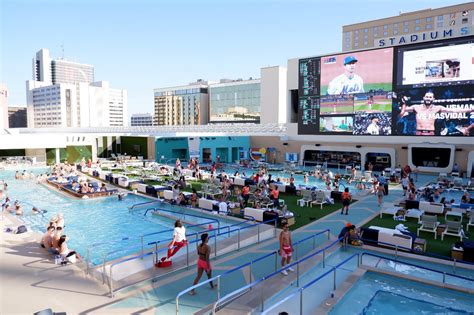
103	188
47	240
65	252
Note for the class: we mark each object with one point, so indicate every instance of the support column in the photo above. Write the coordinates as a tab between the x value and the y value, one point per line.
58	156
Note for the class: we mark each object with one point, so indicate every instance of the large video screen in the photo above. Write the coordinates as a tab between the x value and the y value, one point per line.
414	90
357	72
434	65
434	111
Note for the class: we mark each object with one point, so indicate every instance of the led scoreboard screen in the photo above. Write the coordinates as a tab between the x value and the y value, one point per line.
423	89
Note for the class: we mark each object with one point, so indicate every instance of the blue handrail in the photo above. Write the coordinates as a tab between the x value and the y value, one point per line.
248	286
216	234
417	266
218	277
300	290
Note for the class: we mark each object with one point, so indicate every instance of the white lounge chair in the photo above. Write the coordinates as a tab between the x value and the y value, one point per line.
319	199
414	213
453	225
389	208
471	221
429	223
306	196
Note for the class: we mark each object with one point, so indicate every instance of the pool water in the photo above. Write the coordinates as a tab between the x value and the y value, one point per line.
382	294
104	221
299	178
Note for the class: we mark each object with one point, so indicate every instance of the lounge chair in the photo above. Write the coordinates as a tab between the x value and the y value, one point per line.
307	197
429	223
319	199
471	221
388	208
453	225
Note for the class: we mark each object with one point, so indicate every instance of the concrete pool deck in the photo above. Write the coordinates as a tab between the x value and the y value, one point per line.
30	281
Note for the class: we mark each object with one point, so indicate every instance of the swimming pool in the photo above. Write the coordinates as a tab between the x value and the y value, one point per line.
104	221
317	293
376	293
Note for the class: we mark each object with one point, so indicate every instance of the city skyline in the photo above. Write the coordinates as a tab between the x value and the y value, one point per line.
142	45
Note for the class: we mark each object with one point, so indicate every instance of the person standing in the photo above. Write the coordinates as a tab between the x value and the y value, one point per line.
346	200
380	192
203	263
286	247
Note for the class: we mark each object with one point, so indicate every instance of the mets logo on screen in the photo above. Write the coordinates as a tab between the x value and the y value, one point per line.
414	38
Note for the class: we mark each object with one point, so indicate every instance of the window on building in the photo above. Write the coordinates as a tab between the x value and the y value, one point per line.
395	32
406	23
440	17
439	24
406	30
366	36
429	19
356	32
465	20
428	26
417	28
385	33
417	21
385	27
376	29
356	44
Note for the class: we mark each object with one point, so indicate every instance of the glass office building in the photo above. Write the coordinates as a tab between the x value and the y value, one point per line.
236	101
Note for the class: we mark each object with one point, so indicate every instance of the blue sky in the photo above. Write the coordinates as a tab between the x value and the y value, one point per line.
139	45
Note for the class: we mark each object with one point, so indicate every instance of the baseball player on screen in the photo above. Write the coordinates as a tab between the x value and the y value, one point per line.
426	113
348	82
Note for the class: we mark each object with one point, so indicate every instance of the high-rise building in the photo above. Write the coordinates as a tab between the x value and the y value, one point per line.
75	105
3	106
235	101
17	116
182	105
55	71
411	27
141	120
64	94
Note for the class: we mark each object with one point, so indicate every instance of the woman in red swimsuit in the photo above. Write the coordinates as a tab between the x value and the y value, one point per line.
203	263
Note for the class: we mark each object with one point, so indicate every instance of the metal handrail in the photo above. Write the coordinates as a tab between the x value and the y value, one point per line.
407	249
300	290
141	204
216	234
218	277
417	266
141	237
296	263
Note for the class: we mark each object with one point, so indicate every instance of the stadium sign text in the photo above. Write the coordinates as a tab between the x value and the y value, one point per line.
422	37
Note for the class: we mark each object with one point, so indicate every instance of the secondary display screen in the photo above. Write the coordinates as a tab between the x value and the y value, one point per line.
423	89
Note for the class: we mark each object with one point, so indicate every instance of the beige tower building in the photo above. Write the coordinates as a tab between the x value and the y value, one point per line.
412	27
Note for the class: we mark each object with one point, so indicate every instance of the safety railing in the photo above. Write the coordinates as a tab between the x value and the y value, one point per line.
237	293
250	264
142	237
442	273
399	248
300	292
215	236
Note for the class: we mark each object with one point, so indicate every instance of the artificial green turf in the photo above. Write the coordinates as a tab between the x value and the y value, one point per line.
305	215
437	246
